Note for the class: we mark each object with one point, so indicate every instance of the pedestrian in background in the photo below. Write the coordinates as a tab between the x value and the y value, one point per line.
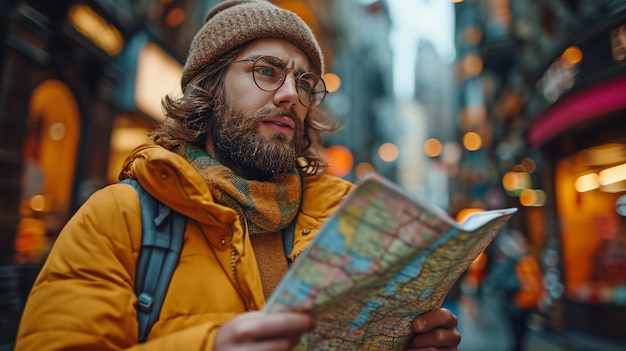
240	155
516	277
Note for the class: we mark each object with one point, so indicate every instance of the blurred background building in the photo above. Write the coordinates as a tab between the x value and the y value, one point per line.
527	109
542	84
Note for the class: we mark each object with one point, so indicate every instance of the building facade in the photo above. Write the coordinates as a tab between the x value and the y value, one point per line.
552	84
68	113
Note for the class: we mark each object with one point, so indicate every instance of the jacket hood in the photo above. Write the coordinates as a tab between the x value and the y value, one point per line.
174	182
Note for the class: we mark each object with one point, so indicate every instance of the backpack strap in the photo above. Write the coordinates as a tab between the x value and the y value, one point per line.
288	234
161	242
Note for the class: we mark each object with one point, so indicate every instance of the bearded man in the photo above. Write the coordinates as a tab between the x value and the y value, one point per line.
240	156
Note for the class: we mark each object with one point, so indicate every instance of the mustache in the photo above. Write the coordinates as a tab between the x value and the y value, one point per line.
266	112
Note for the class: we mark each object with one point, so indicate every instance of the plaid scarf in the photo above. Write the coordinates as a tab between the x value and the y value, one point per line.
264	206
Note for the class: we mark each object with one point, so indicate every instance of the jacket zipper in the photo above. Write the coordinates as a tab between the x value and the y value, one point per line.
232	252
237	285
233	267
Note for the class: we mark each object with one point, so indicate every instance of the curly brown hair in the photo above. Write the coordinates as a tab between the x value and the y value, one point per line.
189	116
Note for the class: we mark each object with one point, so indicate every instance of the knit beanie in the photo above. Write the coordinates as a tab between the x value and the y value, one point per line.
235	22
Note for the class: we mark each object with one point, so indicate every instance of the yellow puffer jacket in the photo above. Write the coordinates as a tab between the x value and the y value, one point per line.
83	298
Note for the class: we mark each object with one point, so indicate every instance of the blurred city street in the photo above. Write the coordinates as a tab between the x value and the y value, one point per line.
481	326
484	327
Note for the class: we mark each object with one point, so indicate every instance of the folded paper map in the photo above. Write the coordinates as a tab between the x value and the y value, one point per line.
380	261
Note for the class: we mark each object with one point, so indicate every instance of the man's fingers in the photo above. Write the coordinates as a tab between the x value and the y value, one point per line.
436	329
440	318
283	325
258	326
442	339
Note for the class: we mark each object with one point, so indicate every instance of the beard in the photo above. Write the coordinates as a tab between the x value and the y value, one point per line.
238	145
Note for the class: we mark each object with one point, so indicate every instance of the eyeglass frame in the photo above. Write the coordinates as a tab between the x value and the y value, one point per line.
298	75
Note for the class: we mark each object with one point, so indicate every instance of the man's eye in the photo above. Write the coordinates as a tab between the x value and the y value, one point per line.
266	71
306	84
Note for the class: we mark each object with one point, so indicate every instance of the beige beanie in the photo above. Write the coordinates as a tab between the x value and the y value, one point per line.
235	22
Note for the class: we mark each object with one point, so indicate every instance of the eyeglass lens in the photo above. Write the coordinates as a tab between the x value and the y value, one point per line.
269	73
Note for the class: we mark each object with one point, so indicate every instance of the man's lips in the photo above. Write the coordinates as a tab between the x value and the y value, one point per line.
282	124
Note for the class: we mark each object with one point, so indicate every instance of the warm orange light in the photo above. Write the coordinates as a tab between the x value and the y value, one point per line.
362	169
532	197
388	152
95	28
126	139
158	74
38	203
572	56
476	271
466	212
432	147
175	17
514	182
479	262
529	164
587	182
333	82
612	175
509	181
472	141
31	242
57	131
340	160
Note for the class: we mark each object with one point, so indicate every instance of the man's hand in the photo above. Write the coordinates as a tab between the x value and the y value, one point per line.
436	330
254	331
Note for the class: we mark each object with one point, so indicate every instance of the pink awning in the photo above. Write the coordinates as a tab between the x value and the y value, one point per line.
580	106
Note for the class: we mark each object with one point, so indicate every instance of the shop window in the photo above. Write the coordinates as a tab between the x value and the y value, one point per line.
129	131
588	185
49	155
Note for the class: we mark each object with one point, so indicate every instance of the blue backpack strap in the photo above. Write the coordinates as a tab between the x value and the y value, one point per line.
288	234
161	243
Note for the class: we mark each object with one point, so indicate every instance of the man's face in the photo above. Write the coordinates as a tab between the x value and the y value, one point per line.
260	133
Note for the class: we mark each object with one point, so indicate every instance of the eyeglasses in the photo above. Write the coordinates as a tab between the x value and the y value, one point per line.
269	74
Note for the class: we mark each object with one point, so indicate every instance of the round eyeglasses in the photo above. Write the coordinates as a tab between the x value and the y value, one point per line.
269	74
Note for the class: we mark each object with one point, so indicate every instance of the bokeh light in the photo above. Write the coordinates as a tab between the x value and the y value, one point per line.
432	147
340	160
388	152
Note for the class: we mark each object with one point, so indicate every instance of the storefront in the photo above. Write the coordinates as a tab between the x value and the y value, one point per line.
77	86
54	119
581	137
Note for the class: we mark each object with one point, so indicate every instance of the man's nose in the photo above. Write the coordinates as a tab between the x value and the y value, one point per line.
288	92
